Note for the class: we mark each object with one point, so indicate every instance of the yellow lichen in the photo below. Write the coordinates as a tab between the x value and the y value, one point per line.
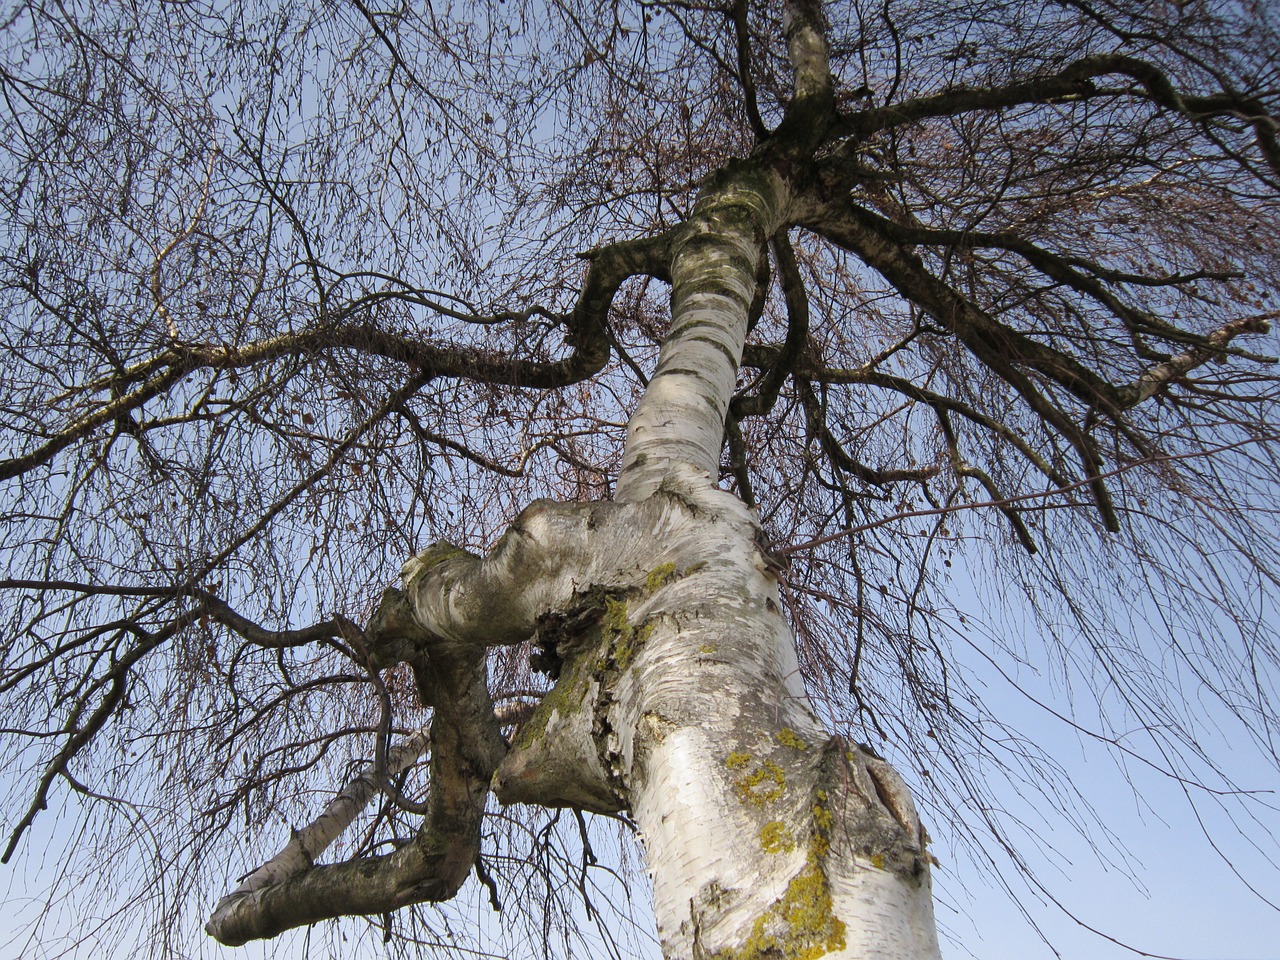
737	760
822	816
764	784
659	577
800	925
807	909
823	821
789	738
776	837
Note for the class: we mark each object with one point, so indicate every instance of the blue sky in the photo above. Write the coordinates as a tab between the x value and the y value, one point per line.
1189	905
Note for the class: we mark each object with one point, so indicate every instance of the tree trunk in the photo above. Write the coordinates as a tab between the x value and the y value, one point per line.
678	695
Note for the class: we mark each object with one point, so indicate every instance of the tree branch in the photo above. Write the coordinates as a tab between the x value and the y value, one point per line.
307	844
466	748
585	333
997	346
1157	378
1072	82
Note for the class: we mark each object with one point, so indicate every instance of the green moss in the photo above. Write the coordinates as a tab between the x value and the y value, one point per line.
615	614
616	622
430	558
565	698
737	760
624	640
439	552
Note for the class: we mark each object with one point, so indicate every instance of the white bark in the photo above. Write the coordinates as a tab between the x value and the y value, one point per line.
680	700
679	696
764	836
1155	379
680	418
762	833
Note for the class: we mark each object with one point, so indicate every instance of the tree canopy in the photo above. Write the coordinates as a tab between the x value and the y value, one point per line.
292	290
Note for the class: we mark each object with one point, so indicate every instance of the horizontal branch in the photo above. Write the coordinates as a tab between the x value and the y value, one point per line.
1155	379
307	844
758	356
1073	82
997	345
1000	348
208	603
290	891
584	332
1083	276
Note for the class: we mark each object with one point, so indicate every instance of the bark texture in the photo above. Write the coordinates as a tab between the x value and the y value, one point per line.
679	700
679	697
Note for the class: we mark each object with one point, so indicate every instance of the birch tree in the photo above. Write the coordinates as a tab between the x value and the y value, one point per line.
672	352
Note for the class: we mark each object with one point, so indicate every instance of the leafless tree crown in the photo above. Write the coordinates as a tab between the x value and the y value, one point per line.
291	291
